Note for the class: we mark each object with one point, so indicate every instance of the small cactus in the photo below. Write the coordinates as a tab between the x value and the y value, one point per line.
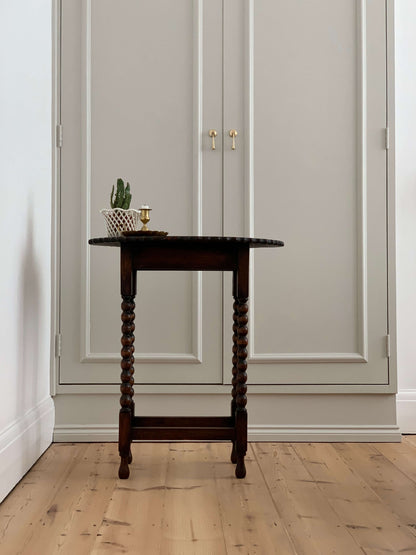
122	198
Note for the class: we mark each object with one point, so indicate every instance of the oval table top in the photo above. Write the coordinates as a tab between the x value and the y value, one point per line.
188	239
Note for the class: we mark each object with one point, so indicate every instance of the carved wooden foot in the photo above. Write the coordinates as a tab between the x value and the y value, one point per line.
240	469
124	471
130	457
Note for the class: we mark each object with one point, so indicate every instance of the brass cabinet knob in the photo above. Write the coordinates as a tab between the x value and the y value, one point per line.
233	134
212	133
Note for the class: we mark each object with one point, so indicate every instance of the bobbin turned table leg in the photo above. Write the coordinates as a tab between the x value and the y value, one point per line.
126	388
240	292
234	370
241	388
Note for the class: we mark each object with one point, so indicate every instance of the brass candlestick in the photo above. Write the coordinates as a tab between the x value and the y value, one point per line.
145	217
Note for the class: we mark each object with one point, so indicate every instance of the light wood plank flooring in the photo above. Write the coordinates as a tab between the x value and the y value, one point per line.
183	498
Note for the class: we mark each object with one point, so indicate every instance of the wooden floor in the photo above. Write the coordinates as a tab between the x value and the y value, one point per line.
183	498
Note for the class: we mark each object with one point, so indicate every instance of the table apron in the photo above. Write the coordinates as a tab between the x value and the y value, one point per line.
183	258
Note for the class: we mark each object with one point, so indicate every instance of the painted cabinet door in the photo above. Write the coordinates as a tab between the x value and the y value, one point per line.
304	84
310	166
141	85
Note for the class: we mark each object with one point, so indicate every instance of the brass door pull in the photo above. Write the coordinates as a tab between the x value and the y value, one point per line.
212	133
233	134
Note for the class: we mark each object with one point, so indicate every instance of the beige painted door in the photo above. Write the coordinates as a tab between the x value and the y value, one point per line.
311	156
141	87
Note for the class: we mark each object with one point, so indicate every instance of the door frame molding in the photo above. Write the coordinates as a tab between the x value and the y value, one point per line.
391	198
56	388
56	197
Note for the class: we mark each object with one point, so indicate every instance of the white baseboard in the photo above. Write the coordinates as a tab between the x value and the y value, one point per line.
406	411
23	442
76	433
81	433
317	433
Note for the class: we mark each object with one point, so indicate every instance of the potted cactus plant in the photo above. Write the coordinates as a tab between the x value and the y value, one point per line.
121	217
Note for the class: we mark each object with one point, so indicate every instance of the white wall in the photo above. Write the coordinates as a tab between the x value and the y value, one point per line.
26	414
406	211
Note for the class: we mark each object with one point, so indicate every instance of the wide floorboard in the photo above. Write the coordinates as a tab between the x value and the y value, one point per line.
183	498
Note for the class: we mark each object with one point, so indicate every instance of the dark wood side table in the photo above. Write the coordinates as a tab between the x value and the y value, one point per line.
185	253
